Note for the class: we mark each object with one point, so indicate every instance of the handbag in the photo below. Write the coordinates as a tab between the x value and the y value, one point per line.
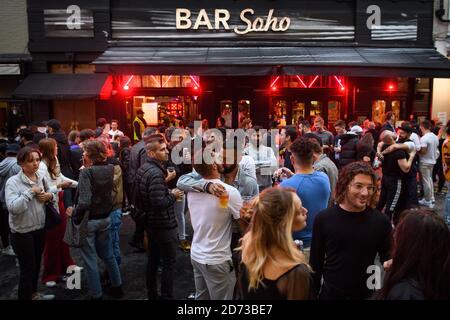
52	216
76	234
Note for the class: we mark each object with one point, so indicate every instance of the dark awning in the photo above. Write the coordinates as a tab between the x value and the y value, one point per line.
350	61
50	86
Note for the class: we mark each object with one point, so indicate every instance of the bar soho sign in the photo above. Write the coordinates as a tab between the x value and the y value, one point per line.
222	17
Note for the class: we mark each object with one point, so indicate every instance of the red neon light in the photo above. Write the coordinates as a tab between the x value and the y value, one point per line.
126	86
312	82
196	88
196	83
301	81
340	83
274	88
275	81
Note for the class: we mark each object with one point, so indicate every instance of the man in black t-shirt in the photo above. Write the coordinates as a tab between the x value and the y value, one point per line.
395	166
347	237
409	179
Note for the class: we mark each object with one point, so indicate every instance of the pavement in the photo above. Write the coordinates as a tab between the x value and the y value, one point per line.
133	270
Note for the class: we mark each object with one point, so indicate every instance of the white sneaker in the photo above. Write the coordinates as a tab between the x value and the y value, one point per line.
41	296
8	251
50	284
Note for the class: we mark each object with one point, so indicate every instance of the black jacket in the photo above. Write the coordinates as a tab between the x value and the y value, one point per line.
63	153
153	196
124	158
348	149
95	192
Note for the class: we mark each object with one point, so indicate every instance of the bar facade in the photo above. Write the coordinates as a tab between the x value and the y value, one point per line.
268	60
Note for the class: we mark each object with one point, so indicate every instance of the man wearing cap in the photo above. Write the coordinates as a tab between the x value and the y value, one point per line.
396	167
139	125
405	143
8	168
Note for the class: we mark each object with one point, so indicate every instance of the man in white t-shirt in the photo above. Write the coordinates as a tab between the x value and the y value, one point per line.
115	132
212	219
429	152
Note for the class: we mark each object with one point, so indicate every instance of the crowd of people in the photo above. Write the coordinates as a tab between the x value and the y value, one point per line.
298	212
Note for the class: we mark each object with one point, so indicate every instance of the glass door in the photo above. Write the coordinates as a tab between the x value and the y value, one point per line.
298	111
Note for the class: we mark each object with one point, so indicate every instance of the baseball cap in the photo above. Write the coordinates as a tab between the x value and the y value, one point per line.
356	129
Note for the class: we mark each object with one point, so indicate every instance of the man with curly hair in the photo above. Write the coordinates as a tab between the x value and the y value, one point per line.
347	237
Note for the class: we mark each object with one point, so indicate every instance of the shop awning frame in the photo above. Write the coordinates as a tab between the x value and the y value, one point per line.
50	86
232	61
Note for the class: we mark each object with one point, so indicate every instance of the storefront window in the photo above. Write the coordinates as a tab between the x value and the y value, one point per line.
171	81
298	111
166	110
279	111
378	110
316	108
396	105
226	112
334	108
243	109
61	68
151	81
190	81
84	68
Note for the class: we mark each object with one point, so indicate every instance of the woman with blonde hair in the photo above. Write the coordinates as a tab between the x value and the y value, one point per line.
56	253
272	265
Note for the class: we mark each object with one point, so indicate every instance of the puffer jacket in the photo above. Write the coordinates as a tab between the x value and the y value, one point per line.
154	197
348	149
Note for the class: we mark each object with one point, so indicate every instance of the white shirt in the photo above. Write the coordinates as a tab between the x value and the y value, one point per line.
53	183
265	161
212	225
431	142
115	133
415	138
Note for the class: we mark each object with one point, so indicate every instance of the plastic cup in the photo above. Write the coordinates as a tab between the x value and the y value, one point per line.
223	201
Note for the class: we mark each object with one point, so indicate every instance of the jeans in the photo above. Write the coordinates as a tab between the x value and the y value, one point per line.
162	245
116	222
447	205
179	207
28	248
98	241
428	189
